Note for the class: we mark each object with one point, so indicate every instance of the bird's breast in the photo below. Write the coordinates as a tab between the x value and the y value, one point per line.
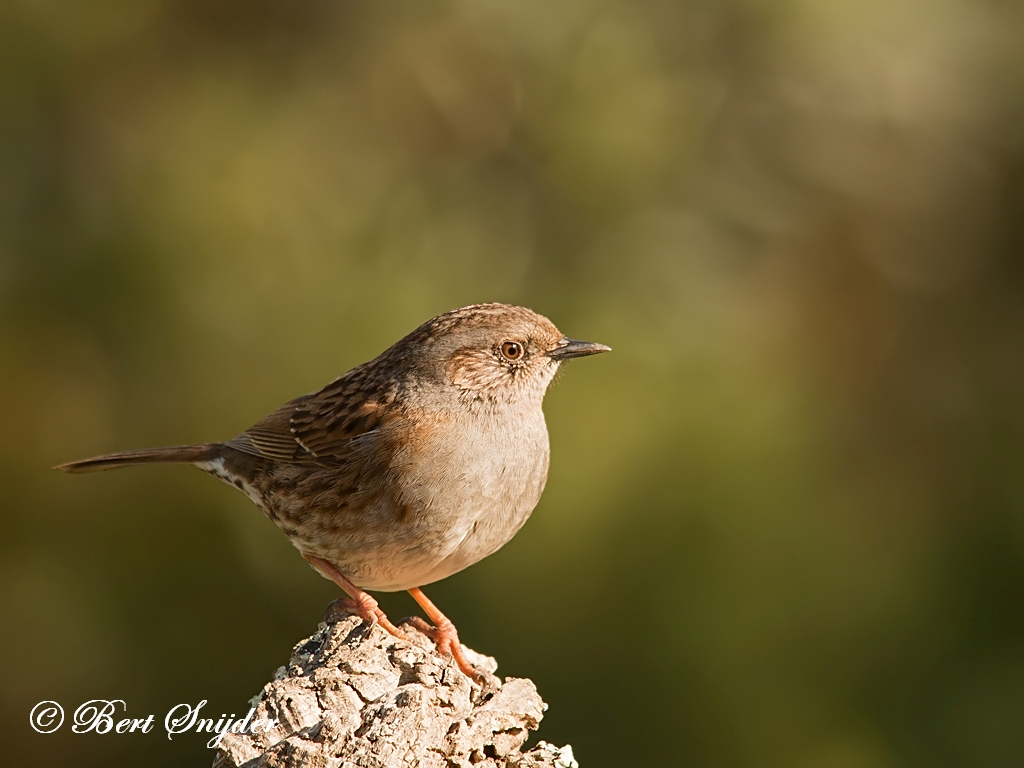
488	464
471	484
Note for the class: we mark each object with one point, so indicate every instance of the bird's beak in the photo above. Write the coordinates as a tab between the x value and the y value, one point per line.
569	348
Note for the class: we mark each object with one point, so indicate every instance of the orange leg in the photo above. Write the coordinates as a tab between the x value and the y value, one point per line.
444	634
365	606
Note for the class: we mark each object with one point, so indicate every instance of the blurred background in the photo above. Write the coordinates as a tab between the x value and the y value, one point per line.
783	525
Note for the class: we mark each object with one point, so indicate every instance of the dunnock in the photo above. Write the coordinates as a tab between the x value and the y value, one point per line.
408	468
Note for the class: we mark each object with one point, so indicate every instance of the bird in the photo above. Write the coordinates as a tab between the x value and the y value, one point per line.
408	468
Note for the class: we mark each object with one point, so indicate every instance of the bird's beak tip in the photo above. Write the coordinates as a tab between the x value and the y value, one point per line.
570	348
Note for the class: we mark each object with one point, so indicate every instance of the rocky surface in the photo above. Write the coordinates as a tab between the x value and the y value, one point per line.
353	695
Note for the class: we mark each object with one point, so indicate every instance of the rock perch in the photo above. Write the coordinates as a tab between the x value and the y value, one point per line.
353	695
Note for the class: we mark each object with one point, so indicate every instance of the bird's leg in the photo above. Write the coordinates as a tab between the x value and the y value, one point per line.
365	606
444	634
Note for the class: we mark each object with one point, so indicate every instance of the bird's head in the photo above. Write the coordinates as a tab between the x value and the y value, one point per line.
491	352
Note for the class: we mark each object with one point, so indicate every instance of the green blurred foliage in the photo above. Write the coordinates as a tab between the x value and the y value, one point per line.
783	525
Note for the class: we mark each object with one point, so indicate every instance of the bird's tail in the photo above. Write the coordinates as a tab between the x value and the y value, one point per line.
175	454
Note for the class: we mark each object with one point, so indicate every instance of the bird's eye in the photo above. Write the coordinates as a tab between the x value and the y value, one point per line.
512	350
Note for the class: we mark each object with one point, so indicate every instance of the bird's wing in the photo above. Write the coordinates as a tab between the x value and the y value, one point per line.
319	428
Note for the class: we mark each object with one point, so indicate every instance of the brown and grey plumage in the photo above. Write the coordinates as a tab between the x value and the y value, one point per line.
408	468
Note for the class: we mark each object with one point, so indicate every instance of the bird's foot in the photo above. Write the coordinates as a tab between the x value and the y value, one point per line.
358	602
446	638
339	607
368	610
346	606
444	635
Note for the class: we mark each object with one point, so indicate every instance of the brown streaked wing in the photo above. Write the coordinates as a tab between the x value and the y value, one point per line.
272	438
319	426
